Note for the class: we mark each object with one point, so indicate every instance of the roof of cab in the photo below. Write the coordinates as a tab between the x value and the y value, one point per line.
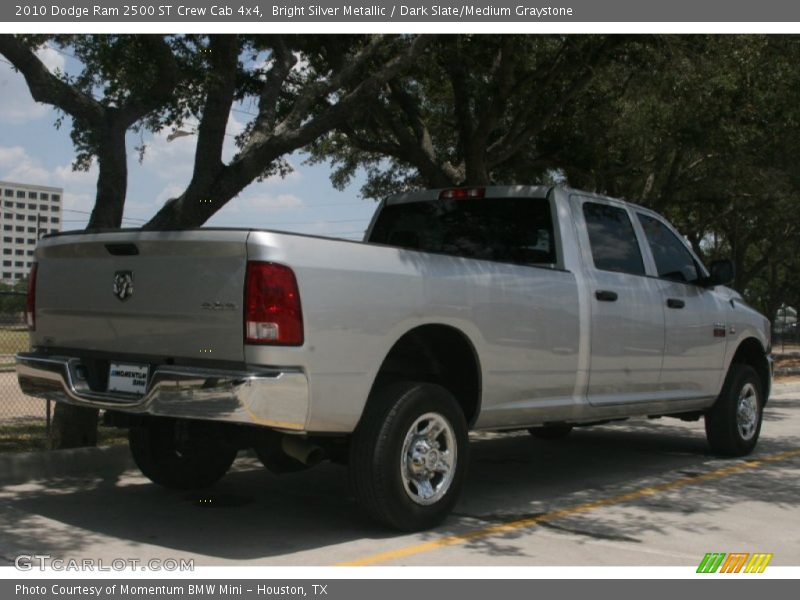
491	191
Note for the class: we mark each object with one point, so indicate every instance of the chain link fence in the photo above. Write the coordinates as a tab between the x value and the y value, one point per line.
24	421
786	331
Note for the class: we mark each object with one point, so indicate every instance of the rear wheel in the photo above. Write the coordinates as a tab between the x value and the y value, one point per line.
408	455
734	422
181	455
550	432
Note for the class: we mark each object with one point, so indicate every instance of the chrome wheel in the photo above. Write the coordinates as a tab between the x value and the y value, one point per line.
747	411
428	458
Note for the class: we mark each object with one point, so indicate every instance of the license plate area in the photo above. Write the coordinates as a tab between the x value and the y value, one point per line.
128	378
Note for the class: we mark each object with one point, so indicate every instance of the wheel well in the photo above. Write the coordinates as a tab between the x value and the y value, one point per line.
436	354
751	352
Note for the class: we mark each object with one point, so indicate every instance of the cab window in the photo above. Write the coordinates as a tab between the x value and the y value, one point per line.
673	259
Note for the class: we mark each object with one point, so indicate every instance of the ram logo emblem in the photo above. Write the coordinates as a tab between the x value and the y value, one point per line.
123	285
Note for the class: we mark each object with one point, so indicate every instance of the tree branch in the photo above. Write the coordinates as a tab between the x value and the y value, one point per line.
46	87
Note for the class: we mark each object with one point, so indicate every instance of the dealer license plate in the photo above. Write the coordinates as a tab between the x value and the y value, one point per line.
130	379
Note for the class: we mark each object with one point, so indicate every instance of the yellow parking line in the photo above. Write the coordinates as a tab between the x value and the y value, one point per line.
491	530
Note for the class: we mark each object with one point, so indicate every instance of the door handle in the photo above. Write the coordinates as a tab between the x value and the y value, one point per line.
606	295
675	303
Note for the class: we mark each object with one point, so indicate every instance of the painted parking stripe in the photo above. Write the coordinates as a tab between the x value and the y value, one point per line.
501	528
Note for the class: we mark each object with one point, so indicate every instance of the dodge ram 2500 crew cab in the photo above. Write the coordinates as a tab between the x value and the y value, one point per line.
497	308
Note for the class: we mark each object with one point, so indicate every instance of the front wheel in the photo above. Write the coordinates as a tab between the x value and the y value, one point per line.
183	455
734	422
408	455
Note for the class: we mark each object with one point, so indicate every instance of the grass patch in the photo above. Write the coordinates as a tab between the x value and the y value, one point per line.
30	436
13	341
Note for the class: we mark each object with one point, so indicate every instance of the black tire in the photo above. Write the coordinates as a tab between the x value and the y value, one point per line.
377	448
182	455
550	432
729	432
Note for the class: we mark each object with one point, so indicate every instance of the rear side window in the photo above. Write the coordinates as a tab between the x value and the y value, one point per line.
673	260
613	241
515	230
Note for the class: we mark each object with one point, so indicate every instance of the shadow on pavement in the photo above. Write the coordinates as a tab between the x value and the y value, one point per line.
253	515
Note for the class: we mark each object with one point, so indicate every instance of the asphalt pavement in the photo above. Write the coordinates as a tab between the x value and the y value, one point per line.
644	492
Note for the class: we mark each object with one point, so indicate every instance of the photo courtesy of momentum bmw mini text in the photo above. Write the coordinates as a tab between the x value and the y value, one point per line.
469	293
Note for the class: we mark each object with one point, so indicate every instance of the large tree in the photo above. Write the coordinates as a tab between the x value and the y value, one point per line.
308	87
123	82
701	128
708	134
467	112
304	86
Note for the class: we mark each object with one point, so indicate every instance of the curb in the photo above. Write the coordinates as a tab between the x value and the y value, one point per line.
787	371
779	389
29	466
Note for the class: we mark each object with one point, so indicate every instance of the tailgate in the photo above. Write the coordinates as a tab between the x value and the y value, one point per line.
166	294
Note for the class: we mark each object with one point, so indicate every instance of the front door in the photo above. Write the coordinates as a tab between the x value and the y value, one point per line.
694	354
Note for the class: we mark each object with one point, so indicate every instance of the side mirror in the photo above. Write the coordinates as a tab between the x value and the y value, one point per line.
722	273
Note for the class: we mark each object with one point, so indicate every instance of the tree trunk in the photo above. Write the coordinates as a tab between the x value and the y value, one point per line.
73	427
112	180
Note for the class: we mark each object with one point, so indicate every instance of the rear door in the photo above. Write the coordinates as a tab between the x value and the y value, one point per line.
167	294
627	322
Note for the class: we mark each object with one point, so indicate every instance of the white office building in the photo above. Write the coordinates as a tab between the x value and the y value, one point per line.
27	213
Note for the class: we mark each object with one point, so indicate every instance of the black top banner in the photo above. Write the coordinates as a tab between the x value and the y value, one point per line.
409	11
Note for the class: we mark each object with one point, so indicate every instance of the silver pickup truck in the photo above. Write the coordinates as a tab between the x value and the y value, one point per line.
497	308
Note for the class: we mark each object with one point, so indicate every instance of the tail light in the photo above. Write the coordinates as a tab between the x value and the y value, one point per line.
30	306
272	306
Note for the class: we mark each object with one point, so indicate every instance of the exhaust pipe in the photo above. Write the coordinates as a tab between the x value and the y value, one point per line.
303	450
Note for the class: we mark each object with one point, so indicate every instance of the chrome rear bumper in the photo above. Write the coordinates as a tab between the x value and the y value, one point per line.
273	398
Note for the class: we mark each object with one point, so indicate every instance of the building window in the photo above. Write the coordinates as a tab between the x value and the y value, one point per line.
31	229
18	276
55	197
20	205
19	263
55	209
31	207
29	253
7	240
6	250
54	219
20	240
54	231
8	228
8	204
33	195
31	217
31	240
19	252
6	275
20	217
44	207
28	264
20	229
44	196
8	215
9	193
6	263
20	194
